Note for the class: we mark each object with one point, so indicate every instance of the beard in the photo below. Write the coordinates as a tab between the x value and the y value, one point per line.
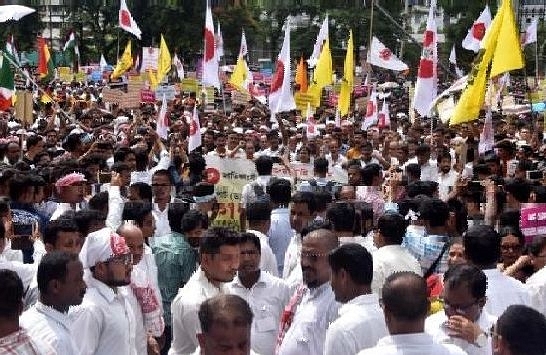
445	169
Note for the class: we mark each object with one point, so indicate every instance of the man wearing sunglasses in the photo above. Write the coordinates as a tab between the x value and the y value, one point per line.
464	321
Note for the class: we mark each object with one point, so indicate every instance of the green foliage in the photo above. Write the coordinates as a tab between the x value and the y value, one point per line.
24	30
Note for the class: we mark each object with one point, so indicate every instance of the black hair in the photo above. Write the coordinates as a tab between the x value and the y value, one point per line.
405	295
121	154
251	238
320	165
369	172
523	329
193	219
392	226
53	266
11	293
322	199
435	211
175	215
520	189
355	260
342	216
136	211
144	191
164	172
468	275
422	149
120	167
258	211
279	190
307	198
416	188
99	202
264	165
33	140
413	170
482	245
59	225
461	214
509	218
18	186
216	237
512	230
444	154
213	309
84	217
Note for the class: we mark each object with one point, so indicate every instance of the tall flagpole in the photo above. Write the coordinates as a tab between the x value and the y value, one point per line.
536	64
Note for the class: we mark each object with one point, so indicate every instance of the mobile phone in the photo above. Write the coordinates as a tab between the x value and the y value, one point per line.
104	177
534	175
22	234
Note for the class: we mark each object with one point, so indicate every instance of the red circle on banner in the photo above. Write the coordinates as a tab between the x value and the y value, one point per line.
478	30
385	54
125	18
209	45
193	127
278	78
429	38
213	175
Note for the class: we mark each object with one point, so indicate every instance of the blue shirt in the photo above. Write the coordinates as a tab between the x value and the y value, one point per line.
426	249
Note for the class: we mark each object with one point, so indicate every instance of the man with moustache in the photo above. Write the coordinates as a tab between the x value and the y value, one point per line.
313	306
61	285
105	313
447	177
219	255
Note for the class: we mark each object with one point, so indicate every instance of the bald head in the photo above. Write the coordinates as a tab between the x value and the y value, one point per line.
325	237
405	298
134	240
314	257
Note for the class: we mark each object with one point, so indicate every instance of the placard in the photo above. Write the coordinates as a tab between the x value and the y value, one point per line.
533	220
111	95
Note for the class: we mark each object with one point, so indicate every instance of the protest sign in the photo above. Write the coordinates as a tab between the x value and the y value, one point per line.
533	220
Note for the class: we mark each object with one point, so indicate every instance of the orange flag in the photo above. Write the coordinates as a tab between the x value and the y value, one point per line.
301	76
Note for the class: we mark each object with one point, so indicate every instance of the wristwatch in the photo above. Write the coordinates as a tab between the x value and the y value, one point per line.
481	340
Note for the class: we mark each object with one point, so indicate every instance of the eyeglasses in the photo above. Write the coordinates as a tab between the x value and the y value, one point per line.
458	308
513	247
125	259
312	256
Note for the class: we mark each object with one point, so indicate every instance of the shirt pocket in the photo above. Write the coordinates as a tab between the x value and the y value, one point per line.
267	324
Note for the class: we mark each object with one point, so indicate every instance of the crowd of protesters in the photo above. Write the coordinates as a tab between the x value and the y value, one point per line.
108	243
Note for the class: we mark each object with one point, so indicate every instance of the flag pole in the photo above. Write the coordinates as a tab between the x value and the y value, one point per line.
117	54
536	64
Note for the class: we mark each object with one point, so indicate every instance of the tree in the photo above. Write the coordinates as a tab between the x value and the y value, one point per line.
25	31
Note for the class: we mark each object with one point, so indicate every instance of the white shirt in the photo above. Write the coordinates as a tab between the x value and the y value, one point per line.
434	327
267	299
141	338
248	193
503	291
104	323
388	260
292	274
279	234
366	242
360	325
536	286
268	262
184	310
429	171
49	325
62	208
314	314
411	344
446	182
341	159
146	175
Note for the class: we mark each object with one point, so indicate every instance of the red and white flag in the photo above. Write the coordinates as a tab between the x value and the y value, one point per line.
179	67
126	21
383	57
194	140
371	112
384	117
162	124
530	35
476	33
243	49
426	87
311	123
280	96
210	56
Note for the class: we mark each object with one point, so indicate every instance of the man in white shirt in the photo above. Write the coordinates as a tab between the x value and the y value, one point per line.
219	255
258	188
303	329
361	323
335	158
259	221
429	167
482	248
391	257
280	231
225	321
464	321
341	216
105	313
71	192
265	294
61	285
405	306
536	284
447	177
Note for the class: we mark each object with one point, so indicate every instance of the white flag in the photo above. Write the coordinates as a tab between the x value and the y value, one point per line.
371	112
476	33
487	138
426	87
103	64
219	42
243	49
311	128
384	117
162	124
383	57
321	39
194	140
280	97
531	33
179	67
126	21
210	57
453	60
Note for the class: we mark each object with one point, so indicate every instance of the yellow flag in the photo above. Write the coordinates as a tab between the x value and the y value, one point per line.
152	79
164	62
501	49
344	101
301	76
124	63
322	75
238	77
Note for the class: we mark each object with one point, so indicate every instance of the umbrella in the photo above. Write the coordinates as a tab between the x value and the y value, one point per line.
14	12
